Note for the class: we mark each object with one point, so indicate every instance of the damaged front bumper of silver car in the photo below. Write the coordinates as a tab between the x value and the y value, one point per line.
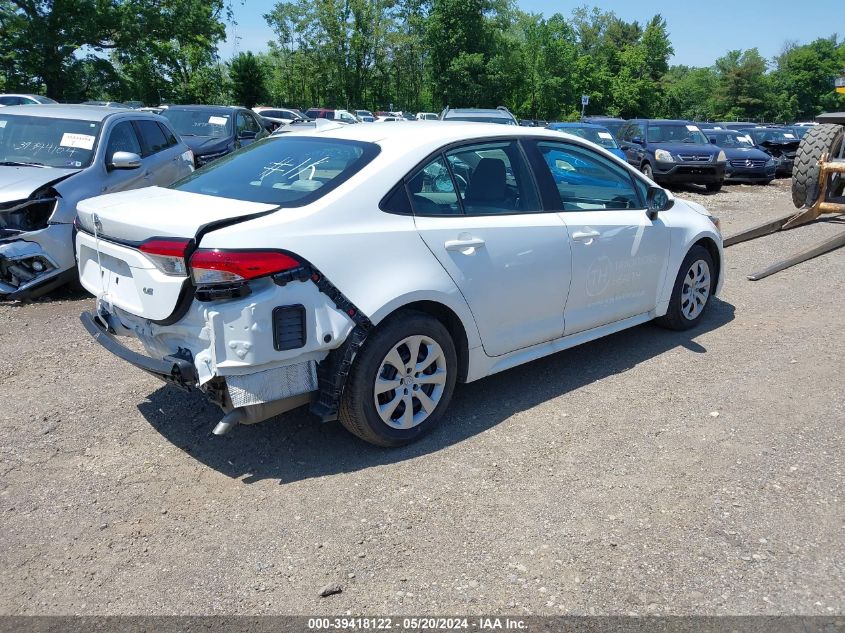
34	257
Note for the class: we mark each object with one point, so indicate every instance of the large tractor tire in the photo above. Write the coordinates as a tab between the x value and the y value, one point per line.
805	173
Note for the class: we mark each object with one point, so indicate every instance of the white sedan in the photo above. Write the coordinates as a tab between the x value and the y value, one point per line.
365	270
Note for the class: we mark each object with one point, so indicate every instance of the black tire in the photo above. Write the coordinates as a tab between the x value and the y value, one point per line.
805	171
713	187
675	319
648	172
357	410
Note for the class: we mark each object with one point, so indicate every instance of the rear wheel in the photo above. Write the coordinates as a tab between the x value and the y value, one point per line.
401	382
693	288
805	171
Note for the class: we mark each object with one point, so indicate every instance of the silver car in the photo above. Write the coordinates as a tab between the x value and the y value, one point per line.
53	156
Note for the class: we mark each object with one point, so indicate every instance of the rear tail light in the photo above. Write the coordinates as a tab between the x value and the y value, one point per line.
167	255
211	267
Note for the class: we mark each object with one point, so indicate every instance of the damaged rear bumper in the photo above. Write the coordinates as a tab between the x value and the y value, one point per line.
177	371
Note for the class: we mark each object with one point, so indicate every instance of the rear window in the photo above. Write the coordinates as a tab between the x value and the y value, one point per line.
289	171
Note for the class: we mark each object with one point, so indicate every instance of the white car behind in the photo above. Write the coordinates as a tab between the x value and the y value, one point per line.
366	270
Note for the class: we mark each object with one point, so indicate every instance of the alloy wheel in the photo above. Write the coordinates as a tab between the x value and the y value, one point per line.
410	382
696	289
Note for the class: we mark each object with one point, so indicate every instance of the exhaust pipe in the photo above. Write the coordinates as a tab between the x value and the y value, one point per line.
259	412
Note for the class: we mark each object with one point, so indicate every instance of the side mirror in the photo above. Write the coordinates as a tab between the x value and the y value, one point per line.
247	135
638	140
124	160
713	140
658	199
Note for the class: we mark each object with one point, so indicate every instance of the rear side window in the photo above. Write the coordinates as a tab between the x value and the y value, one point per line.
169	136
287	170
151	136
493	178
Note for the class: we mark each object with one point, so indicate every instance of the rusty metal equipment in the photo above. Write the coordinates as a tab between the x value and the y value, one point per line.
829	178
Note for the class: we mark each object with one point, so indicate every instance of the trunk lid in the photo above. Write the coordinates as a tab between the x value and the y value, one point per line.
113	226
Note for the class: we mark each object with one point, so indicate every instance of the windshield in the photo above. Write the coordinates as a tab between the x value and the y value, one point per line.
761	136
42	141
730	140
483	119
213	123
288	170
596	135
676	133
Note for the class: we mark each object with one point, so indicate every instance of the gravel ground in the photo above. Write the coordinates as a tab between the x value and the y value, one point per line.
649	472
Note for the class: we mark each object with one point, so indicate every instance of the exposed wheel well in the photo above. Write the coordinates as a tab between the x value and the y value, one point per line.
452	323
711	247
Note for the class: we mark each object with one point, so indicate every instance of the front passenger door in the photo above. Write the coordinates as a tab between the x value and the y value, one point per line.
477	209
619	255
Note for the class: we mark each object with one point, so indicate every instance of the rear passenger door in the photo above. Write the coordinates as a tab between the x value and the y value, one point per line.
477	209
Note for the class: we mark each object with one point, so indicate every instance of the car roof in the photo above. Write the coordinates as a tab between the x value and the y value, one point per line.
502	113
68	111
206	108
667	121
576	125
424	133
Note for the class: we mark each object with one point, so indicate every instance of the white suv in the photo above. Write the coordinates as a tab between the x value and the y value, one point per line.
365	270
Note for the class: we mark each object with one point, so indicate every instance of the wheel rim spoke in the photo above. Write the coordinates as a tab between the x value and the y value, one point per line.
408	416
395	360
386	411
413	344
383	385
437	378
427	403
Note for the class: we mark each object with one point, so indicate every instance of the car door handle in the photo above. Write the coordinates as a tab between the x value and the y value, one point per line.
585	236
462	245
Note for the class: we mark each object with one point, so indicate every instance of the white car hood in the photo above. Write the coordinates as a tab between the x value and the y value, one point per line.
140	214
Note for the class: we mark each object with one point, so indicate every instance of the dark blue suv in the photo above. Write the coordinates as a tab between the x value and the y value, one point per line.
672	152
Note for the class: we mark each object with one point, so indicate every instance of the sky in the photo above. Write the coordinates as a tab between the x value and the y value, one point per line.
700	32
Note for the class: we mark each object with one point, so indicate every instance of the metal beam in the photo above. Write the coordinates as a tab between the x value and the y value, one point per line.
837	241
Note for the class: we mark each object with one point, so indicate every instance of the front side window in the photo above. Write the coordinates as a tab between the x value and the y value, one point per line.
247	124
586	181
44	141
122	138
211	123
288	170
493	178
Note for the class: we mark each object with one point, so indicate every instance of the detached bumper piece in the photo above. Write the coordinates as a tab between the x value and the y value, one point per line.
172	369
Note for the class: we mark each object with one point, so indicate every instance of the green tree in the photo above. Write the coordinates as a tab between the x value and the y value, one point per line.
42	41
742	85
247	75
